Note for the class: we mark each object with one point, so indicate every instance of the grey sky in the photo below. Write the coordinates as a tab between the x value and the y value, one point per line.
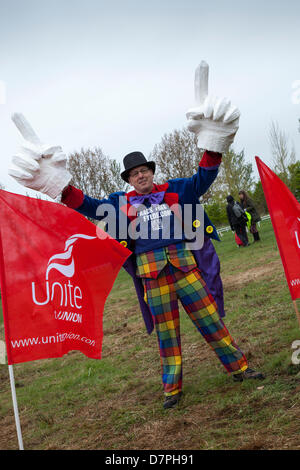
120	74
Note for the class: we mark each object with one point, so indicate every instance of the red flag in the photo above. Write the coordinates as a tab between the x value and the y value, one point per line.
238	240
56	274
284	210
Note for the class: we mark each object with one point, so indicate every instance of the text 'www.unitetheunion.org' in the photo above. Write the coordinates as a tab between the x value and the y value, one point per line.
58	338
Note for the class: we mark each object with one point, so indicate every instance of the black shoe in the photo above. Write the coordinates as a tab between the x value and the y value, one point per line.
172	401
248	374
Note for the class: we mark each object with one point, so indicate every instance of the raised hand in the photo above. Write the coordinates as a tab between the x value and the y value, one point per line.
214	120
38	166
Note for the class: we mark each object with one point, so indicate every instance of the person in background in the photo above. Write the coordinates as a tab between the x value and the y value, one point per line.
248	205
237	219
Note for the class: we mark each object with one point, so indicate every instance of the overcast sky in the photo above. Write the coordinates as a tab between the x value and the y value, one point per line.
120	74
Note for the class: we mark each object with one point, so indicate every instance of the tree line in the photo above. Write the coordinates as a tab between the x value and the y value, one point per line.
177	156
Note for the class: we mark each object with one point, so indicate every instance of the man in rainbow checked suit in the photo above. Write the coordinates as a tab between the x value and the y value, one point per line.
168	262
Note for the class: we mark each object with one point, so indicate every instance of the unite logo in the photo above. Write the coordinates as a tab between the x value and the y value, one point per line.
67	294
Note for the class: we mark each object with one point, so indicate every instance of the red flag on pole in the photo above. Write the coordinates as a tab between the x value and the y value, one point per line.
284	211
56	274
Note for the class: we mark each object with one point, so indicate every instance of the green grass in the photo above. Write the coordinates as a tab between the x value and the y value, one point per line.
116	403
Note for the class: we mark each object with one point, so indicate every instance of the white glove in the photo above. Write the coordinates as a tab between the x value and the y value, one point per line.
215	121
38	166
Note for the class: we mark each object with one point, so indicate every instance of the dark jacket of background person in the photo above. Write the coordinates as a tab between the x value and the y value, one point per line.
237	224
233	220
249	206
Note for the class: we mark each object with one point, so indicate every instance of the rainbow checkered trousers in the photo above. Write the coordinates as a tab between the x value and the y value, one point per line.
151	263
162	296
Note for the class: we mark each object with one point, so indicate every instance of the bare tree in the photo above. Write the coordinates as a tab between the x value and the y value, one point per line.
235	174
176	156
95	173
283	154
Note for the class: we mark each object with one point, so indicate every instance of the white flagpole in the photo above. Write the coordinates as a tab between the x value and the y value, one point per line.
15	404
10	367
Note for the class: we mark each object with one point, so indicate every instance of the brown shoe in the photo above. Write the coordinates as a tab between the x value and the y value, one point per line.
172	401
248	374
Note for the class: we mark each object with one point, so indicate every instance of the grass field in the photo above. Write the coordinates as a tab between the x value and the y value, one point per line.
116	403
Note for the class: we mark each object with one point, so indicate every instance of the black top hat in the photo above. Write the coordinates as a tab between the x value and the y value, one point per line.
132	160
